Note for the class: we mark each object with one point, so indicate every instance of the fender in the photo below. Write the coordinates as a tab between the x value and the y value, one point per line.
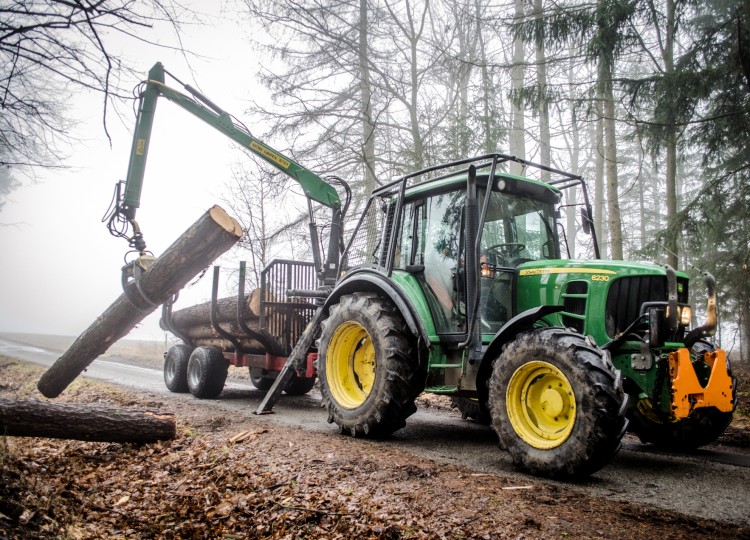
519	323
365	280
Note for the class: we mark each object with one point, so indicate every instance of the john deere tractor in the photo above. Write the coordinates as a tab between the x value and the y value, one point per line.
454	281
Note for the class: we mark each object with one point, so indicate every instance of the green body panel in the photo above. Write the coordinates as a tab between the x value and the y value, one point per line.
413	291
542	283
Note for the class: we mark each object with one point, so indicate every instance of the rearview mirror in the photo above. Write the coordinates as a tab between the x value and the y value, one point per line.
586	221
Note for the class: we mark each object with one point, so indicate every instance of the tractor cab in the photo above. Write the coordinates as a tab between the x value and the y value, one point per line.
518	226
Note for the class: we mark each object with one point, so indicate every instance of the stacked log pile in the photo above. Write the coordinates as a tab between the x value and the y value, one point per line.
194	322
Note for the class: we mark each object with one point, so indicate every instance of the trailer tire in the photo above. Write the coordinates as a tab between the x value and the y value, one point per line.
702	427
299	386
175	368
207	372
369	378
472	409
261	383
557	403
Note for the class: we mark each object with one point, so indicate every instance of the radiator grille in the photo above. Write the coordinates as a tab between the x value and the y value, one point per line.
626	295
282	318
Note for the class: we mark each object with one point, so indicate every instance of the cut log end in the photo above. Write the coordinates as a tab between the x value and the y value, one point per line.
224	220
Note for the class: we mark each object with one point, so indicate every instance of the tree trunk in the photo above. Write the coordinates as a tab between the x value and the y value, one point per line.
368	121
599	199
34	418
541	78
213	234
610	156
517	128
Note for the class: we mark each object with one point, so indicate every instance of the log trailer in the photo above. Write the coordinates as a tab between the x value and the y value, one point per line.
455	281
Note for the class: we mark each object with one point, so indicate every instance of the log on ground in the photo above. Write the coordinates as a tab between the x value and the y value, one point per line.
34	418
213	234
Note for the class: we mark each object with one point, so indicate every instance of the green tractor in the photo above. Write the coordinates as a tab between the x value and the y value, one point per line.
454	282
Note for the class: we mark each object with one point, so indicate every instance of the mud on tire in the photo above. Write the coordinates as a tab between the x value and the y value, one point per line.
367	366
566	400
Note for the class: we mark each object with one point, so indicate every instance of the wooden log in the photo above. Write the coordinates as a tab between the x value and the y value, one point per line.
213	234
34	418
226	312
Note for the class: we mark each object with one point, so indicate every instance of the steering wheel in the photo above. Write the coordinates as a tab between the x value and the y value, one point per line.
507	249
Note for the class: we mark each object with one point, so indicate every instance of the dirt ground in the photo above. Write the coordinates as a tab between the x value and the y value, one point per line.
284	483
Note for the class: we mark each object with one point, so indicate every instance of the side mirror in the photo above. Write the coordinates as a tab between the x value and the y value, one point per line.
586	221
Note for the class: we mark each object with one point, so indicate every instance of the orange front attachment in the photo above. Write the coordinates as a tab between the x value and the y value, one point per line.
689	394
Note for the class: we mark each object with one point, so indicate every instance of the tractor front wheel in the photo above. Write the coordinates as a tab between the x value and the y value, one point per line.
557	403
368	369
207	372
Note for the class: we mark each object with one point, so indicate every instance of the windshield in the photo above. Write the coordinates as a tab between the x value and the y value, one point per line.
517	230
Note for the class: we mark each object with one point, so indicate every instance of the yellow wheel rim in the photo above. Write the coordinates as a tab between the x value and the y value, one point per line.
350	365
541	404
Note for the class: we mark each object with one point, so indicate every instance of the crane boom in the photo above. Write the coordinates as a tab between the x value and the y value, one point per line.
313	185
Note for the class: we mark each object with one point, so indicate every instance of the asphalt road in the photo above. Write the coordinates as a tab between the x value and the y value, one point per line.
710	484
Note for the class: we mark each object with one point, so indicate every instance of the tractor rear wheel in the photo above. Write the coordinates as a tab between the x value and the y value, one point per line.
557	403
207	372
175	368
702	427
369	377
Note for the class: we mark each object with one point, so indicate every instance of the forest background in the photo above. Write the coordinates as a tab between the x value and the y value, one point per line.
648	100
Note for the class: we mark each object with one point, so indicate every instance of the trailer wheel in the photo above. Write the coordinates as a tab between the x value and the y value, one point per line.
557	403
470	408
299	386
702	427
369	378
207	372
175	368
261	383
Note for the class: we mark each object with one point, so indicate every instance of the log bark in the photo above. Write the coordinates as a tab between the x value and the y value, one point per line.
226	312
34	418
213	234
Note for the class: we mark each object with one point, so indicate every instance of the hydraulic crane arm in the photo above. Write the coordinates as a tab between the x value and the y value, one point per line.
314	187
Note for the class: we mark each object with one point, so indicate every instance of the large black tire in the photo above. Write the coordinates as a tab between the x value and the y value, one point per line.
207	372
299	386
471	409
557	403
175	368
702	427
368	367
258	381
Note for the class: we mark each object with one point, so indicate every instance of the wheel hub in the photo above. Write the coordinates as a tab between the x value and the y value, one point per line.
350	365
541	404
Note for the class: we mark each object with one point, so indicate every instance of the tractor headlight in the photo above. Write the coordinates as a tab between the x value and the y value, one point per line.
686	315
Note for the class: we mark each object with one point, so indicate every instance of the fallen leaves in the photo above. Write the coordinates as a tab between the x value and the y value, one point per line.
248	481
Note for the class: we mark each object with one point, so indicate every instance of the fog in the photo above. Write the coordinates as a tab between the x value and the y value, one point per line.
60	267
